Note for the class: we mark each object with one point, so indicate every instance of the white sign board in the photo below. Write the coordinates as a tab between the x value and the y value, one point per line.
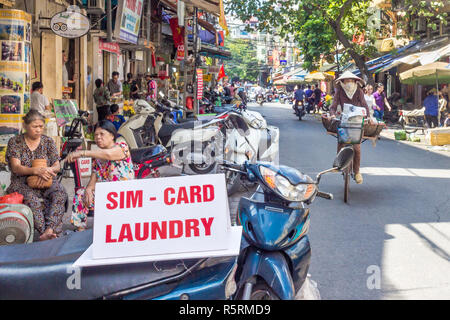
70	24
128	20
161	219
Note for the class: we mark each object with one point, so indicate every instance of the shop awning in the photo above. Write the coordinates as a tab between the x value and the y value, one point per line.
214	52
211	6
423	58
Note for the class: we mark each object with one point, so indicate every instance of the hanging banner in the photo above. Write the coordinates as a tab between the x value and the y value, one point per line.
178	37
128	20
199	84
15	68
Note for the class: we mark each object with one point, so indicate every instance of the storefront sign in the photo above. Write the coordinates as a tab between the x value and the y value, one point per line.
160	219
70	23
109	46
129	20
207	78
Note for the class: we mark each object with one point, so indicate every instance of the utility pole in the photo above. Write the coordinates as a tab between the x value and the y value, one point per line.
194	76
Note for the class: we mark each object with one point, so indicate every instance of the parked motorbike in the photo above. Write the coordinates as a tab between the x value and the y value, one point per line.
43	270
148	128
275	249
413	120
247	137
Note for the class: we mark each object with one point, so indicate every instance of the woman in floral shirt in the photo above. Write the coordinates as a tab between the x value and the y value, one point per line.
111	163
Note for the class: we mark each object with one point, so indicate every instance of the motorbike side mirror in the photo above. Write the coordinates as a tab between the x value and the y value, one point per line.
343	158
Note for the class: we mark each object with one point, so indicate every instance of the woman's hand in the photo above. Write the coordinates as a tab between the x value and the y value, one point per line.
73	156
88	197
45	173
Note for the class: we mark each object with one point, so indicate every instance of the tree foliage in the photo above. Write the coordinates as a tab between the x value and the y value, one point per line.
244	64
317	25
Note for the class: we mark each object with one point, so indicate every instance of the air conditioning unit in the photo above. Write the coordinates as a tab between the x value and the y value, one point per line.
96	7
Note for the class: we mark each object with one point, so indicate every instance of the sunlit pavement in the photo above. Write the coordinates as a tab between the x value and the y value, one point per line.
392	241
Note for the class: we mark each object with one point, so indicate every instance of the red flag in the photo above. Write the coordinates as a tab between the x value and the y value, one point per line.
177	31
221	73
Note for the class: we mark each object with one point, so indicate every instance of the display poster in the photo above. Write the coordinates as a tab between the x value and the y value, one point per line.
129	15
15	68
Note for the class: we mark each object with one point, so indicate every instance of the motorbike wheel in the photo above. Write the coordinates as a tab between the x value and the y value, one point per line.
261	291
407	128
202	168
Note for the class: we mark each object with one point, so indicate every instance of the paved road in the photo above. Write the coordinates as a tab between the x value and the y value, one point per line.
393	240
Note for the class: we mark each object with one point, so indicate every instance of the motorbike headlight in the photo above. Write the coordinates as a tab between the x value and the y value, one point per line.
284	188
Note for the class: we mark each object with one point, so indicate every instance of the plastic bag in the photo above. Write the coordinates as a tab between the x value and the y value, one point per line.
13	198
308	291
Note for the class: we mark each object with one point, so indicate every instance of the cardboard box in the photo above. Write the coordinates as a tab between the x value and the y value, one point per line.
438	136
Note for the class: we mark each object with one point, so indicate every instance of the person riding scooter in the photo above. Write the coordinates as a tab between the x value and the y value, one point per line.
349	90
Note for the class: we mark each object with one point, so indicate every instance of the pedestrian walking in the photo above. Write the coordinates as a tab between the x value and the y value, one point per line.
431	105
370	100
443	108
152	87
380	102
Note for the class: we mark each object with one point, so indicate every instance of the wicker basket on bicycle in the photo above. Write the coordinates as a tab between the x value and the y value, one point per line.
370	130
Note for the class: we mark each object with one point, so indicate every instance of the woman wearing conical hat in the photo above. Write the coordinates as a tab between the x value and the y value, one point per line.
349	90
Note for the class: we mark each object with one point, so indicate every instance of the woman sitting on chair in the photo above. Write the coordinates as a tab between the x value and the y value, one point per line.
47	197
111	163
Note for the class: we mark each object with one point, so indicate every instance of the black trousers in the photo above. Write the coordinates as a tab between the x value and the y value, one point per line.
432	121
102	112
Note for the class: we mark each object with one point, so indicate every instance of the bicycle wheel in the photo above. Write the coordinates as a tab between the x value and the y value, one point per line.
347	173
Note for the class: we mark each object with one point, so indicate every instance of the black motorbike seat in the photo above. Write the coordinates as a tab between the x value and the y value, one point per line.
43	270
142	155
167	130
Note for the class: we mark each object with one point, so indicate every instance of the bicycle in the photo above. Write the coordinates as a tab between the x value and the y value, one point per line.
349	135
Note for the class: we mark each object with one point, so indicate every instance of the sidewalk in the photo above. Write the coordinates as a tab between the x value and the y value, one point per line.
388	133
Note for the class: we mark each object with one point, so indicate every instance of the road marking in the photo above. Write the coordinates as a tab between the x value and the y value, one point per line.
407	172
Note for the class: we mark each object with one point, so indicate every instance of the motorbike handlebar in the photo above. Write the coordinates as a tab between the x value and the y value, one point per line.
233	166
325	195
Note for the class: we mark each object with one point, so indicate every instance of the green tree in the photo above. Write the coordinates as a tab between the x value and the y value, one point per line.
243	64
317	25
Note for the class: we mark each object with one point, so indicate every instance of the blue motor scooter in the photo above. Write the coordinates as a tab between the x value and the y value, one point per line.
275	250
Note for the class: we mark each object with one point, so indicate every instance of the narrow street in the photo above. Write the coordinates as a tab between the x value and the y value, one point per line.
397	224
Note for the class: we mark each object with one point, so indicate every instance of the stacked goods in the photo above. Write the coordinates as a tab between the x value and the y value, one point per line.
439	136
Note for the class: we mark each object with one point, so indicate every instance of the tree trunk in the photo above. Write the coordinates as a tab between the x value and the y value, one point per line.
359	59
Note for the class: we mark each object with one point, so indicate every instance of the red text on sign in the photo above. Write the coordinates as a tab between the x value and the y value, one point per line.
124	200
172	229
192	194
